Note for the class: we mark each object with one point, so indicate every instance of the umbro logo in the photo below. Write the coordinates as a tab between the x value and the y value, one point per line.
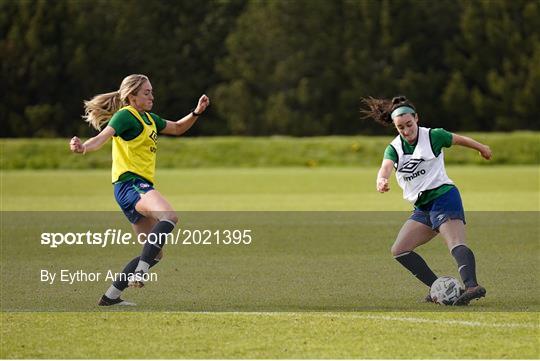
410	166
153	136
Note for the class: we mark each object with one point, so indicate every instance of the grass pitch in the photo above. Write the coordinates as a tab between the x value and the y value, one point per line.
332	321
276	335
500	188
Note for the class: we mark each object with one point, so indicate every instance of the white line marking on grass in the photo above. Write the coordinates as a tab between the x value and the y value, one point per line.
381	318
448	322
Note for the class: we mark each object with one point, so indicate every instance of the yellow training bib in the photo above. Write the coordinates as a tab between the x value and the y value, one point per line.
137	155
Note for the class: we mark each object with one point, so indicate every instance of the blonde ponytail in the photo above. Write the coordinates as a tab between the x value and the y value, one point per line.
99	109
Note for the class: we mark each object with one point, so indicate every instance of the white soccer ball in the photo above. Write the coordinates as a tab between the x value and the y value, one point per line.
445	290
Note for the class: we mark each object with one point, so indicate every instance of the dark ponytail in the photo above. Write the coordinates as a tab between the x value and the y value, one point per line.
381	109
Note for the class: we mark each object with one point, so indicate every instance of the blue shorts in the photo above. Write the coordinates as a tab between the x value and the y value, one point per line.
444	208
127	195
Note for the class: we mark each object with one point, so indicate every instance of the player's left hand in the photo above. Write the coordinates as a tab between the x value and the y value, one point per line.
203	103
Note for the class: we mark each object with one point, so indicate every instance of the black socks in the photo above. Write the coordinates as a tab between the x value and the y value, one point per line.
122	282
417	266
156	240
466	264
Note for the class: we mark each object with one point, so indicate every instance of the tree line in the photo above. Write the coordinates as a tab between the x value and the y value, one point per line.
294	67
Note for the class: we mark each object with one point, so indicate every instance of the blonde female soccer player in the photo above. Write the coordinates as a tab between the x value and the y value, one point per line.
417	156
125	113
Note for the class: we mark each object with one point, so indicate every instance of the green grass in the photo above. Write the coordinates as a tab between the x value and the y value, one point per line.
297	261
508	188
335	289
279	335
177	153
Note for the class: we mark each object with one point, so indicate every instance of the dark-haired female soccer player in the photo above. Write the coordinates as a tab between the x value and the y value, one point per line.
417	156
134	132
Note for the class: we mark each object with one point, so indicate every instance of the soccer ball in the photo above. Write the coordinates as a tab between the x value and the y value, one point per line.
445	290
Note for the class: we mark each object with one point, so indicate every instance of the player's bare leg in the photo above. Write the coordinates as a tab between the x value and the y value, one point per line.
412	235
153	205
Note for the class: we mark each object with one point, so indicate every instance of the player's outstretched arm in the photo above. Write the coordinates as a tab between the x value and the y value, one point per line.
464	141
93	143
181	126
384	173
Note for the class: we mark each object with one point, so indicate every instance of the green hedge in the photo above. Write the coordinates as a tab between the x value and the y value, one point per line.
508	148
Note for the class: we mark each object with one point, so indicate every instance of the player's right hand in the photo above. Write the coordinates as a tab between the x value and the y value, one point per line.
382	185
485	152
75	145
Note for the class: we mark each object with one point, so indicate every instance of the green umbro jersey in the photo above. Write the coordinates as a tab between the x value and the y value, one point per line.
128	127
439	138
